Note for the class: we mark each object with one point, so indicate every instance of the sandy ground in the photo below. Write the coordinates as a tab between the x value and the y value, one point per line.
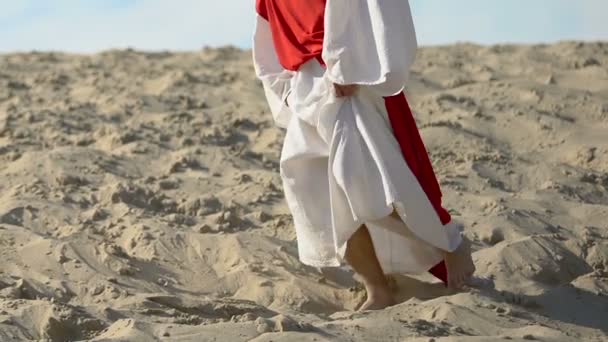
140	200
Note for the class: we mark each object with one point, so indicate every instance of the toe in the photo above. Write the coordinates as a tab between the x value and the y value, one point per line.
463	280
458	283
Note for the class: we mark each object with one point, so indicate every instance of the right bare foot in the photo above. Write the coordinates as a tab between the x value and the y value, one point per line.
460	265
378	301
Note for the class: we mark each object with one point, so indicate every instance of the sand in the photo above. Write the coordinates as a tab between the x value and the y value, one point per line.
140	200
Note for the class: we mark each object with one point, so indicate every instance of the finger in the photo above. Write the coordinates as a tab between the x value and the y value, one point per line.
351	89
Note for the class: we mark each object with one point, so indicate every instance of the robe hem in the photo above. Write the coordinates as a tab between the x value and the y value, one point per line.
370	84
453	230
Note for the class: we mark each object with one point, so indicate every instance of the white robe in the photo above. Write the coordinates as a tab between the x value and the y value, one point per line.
341	165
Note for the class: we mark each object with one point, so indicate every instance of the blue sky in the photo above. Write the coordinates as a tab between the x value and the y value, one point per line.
94	25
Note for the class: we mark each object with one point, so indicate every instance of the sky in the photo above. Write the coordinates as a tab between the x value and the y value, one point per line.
95	25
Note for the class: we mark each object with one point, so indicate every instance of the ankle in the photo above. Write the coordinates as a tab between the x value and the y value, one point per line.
384	297
378	290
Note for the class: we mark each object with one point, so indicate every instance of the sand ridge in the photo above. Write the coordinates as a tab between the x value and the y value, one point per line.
140	200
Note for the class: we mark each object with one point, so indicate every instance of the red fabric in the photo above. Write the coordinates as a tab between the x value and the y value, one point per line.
297	33
415	155
440	271
297	29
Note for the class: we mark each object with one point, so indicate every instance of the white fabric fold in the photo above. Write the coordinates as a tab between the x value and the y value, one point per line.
369	42
275	79
341	165
341	168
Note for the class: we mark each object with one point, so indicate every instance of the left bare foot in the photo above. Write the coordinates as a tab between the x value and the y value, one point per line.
460	265
378	300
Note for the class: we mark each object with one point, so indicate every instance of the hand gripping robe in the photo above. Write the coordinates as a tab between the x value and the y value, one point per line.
351	161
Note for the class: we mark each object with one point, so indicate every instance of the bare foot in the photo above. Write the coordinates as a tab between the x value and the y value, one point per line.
460	265
378	301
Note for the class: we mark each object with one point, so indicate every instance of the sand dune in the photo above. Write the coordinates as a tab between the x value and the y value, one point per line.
140	200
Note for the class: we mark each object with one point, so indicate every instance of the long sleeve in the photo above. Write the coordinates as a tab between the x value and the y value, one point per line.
369	42
275	79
